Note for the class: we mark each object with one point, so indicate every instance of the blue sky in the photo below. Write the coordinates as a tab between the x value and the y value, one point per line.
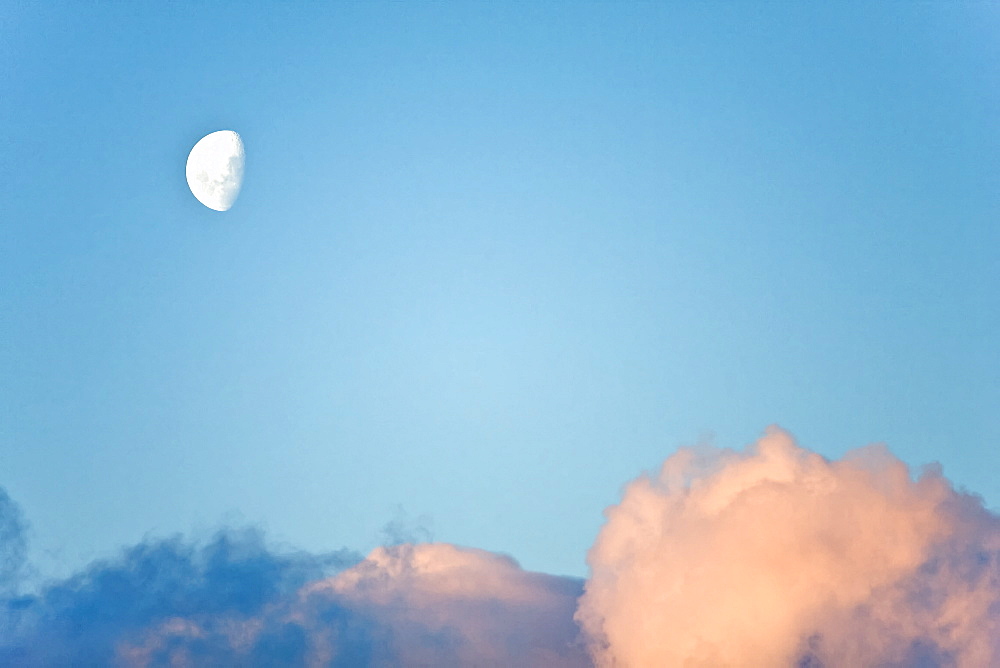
489	261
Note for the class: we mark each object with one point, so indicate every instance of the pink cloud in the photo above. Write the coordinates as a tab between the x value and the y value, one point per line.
774	556
777	556
406	605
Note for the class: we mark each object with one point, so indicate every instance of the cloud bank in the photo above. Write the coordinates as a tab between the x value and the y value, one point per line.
773	556
405	605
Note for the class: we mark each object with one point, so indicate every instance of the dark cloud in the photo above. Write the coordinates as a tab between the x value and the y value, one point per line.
85	617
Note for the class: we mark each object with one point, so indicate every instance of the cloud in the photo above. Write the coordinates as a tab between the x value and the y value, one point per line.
83	619
771	556
777	556
405	605
13	545
235	602
476	607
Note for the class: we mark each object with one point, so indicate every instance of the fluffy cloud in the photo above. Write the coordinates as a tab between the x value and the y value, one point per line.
777	556
234	602
85	618
405	605
770	557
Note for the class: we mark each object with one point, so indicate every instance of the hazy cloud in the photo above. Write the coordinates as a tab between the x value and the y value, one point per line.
13	545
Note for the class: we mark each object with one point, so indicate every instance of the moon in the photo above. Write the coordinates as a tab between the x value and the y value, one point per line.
215	169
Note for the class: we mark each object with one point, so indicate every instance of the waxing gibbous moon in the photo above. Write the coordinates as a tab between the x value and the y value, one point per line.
215	169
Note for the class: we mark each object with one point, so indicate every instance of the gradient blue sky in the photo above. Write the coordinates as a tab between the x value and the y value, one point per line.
490	261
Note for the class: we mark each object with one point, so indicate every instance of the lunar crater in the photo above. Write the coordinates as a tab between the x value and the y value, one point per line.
215	169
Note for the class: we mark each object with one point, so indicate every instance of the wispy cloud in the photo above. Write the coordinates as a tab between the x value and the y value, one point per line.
13	546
